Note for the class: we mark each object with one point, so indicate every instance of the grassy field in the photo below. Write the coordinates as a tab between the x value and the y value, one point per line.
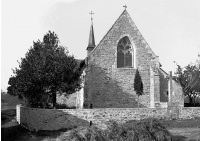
181	129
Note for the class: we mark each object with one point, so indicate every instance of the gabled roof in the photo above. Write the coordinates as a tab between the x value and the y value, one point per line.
125	13
164	72
110	29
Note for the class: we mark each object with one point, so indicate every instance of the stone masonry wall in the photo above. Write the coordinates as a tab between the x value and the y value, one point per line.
18	113
112	87
189	112
36	119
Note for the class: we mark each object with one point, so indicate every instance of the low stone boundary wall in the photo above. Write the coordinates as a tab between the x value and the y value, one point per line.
189	112
55	119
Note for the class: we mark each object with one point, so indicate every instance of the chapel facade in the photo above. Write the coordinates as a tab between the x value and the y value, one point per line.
110	70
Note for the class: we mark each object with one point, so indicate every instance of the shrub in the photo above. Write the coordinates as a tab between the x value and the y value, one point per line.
83	134
64	106
194	137
155	129
10	100
144	130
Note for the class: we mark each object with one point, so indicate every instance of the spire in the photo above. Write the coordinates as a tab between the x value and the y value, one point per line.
91	43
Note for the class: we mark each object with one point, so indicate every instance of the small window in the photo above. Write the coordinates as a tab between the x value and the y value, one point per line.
124	53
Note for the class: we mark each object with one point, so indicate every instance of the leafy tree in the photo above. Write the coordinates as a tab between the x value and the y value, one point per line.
189	79
138	85
46	70
9	100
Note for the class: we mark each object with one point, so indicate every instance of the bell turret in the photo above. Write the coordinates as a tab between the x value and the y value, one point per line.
91	43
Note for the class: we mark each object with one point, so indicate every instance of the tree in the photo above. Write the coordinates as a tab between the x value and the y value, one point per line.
189	79
9	100
138	85
46	70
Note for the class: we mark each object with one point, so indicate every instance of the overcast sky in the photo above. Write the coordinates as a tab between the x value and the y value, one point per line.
170	27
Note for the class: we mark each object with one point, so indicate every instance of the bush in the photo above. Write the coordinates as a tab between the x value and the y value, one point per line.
194	137
83	134
144	130
10	100
153	128
64	106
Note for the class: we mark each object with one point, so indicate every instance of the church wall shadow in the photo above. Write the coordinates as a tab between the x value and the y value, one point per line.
108	88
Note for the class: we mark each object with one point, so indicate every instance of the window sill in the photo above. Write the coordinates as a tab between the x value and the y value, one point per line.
126	68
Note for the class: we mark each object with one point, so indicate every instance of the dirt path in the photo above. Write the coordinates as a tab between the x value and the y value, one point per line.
185	134
184	131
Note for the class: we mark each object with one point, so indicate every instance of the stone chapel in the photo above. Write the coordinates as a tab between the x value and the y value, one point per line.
109	71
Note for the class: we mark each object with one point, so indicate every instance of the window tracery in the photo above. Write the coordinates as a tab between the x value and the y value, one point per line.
124	53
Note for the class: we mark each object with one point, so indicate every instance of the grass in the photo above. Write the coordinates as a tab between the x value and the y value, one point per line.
186	123
7	115
12	131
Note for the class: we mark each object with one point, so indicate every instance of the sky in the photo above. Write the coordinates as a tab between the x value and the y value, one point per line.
170	27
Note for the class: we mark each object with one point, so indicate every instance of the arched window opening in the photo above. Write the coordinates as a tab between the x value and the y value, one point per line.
124	53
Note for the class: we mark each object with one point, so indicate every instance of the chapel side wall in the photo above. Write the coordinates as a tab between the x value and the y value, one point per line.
111	87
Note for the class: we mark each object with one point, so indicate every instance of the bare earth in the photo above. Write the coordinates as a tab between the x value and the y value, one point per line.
184	131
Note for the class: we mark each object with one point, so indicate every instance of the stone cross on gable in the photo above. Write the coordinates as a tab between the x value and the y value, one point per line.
91	15
125	6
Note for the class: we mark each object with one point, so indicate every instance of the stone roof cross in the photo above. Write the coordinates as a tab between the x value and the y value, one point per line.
125	6
170	77
91	15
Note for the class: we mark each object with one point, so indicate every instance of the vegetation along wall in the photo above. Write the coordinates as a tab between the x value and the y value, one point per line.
36	119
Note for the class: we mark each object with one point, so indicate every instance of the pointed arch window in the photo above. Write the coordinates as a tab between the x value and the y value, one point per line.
124	53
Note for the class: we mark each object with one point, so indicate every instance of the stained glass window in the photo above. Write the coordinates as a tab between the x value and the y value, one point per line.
124	53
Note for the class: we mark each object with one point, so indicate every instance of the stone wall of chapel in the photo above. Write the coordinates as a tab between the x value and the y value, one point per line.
112	87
